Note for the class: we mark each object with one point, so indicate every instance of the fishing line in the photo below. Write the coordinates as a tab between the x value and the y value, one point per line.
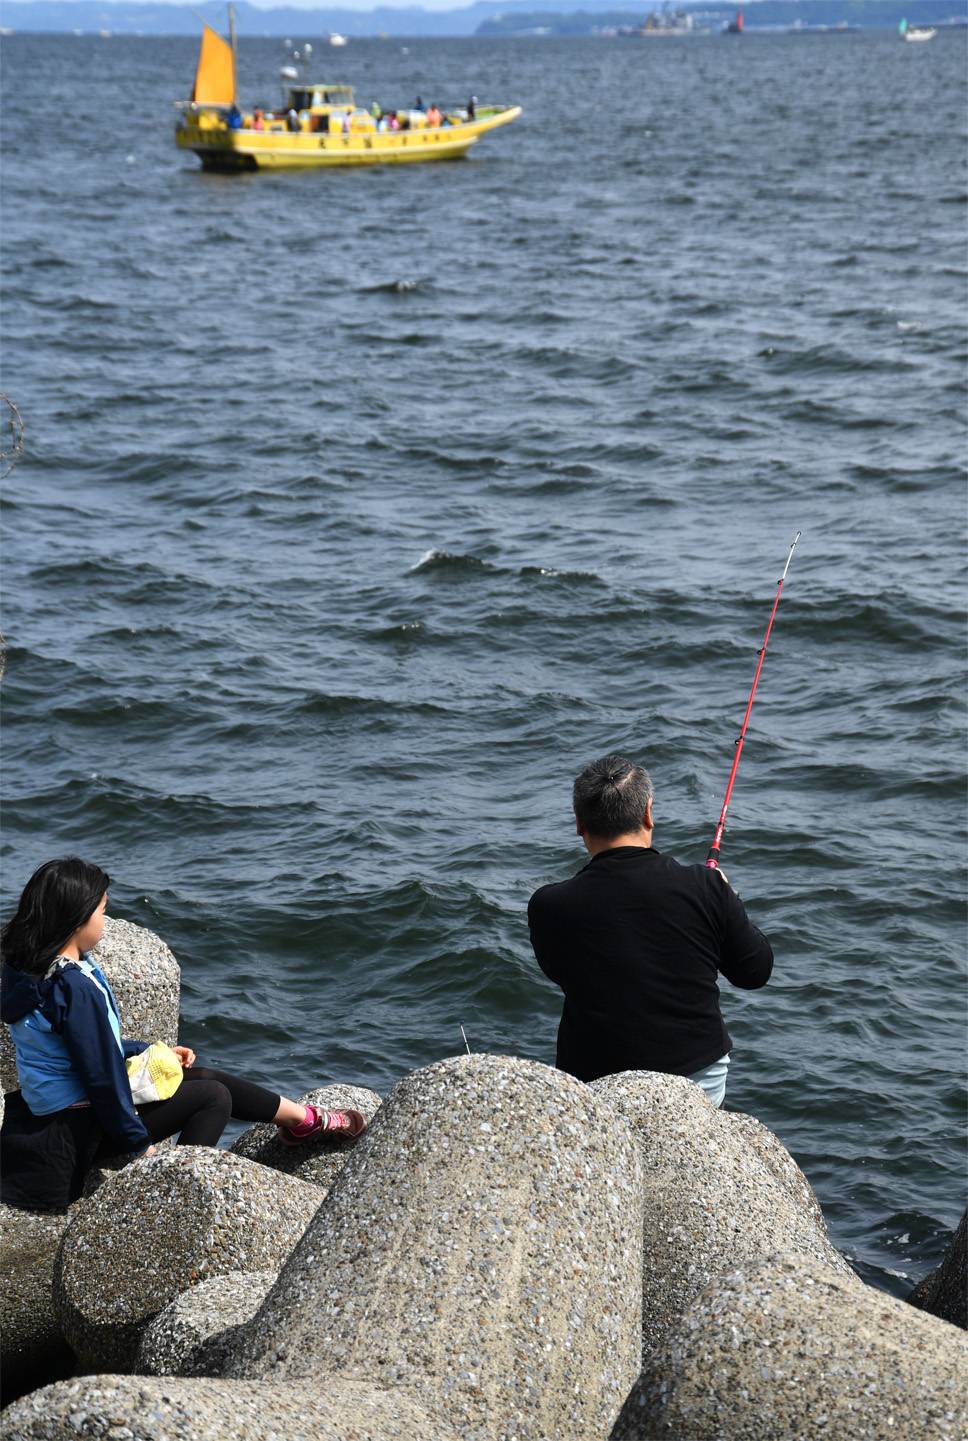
712	860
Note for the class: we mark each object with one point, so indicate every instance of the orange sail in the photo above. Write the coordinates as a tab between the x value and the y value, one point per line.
215	76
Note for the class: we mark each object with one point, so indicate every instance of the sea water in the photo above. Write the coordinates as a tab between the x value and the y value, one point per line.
359	510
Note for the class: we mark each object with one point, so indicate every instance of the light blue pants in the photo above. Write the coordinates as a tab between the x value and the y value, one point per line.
713	1079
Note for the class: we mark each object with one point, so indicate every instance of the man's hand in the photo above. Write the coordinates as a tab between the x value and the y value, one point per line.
186	1055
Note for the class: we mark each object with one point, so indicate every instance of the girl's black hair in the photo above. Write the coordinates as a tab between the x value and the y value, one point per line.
59	897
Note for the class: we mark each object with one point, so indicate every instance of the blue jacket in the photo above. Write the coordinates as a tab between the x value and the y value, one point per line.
67	1035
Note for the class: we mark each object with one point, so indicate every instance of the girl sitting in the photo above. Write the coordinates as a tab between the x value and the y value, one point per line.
75	1099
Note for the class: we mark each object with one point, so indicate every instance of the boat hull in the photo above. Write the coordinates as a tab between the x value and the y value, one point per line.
219	148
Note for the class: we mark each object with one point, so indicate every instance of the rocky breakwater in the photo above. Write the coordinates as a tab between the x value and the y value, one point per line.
505	1254
720	1191
158	1228
474	1272
173	1344
787	1350
754	1327
944	1291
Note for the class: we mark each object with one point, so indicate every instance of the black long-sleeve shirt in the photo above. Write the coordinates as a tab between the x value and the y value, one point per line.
635	941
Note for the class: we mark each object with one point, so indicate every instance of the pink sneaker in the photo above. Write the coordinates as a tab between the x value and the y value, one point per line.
335	1123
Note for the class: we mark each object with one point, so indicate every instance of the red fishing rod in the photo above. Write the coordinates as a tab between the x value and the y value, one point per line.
712	860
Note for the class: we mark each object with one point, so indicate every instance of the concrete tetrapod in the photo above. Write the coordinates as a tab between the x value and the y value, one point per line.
479	1251
157	1228
32	1348
322	1161
944	1291
719	1191
788	1348
145	979
169	1343
146	1408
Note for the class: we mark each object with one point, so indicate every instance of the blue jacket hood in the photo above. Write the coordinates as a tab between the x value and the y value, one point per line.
21	993
78	1010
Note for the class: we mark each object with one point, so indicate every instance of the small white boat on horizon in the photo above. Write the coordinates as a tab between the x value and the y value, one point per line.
915	33
335	39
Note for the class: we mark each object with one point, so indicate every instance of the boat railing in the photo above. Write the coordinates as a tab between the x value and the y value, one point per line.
201	107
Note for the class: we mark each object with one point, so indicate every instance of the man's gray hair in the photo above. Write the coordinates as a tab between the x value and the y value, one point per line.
610	797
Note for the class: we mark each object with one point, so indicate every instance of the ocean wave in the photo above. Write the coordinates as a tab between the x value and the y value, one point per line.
452	563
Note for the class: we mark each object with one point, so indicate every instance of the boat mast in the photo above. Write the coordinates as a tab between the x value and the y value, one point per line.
234	53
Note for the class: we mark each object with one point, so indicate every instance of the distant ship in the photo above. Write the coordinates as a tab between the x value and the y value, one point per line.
734	27
915	33
666	22
657	22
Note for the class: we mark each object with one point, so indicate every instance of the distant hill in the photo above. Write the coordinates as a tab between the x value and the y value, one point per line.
128	17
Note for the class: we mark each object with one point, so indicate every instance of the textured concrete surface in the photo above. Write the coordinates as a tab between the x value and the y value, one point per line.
320	1160
481	1250
145	979
31	1345
747	1131
107	1166
788	1349
170	1341
160	1226
720	1191
145	1408
944	1291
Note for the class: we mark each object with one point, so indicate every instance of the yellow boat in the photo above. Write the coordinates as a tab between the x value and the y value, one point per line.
318	124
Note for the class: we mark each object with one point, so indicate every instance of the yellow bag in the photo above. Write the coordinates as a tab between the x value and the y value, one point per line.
154	1074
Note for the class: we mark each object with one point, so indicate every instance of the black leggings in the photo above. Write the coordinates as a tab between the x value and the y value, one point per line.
203	1104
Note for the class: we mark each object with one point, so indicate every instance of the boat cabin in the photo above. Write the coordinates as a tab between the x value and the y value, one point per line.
319	99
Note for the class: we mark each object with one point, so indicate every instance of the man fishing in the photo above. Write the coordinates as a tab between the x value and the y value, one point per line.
636	942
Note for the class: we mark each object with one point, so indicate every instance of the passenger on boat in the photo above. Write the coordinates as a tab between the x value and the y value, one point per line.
419	105
258	118
393	121
434	117
292	121
471	107
637	941
234	118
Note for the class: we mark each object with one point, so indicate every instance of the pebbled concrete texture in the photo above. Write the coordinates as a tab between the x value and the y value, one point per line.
788	1349
159	1227
144	1408
146	981
944	1291
719	1191
172	1339
319	1160
480	1251
744	1130
31	1343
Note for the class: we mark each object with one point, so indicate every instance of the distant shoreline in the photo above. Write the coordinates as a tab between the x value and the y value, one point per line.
484	18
